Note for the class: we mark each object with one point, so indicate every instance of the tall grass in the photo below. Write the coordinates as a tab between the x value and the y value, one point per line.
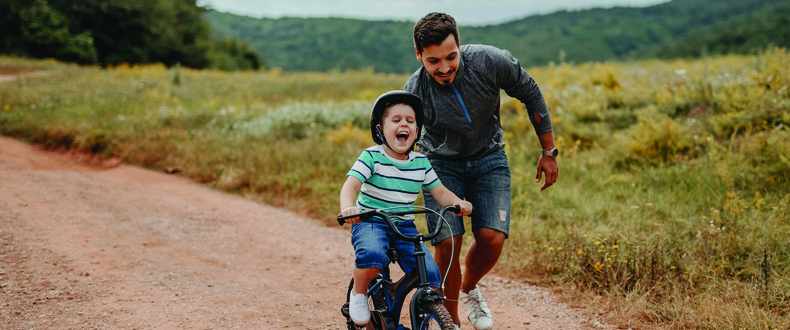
672	202
268	135
673	192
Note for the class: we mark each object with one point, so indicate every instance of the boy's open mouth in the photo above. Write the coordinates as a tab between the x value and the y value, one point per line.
402	136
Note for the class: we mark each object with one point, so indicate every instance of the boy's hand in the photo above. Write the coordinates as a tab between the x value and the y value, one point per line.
349	211
466	208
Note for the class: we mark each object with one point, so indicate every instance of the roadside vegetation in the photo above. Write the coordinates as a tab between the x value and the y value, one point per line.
671	210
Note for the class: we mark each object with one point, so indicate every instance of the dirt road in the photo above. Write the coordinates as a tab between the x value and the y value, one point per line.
102	245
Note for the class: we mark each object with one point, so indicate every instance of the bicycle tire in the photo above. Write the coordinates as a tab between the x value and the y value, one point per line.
438	316
378	300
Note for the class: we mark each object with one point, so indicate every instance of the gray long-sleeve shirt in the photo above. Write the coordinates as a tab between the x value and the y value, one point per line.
483	71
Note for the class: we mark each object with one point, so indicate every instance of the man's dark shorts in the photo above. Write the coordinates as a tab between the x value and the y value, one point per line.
484	182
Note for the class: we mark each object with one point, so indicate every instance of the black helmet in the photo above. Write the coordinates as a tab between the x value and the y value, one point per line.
391	98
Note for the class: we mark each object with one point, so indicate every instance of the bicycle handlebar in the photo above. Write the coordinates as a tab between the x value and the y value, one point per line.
366	215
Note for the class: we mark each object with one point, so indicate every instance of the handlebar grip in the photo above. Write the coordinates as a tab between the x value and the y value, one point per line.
341	220
455	209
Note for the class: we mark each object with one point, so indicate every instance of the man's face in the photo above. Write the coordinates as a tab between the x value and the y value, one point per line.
441	61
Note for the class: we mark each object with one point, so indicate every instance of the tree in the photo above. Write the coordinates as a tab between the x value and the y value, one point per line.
142	31
110	32
36	29
232	55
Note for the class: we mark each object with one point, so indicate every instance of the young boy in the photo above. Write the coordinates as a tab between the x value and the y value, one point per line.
386	175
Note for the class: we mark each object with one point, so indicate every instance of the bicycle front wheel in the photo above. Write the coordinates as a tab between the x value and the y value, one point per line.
436	317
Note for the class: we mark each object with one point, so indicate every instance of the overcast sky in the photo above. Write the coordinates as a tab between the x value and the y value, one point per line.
466	12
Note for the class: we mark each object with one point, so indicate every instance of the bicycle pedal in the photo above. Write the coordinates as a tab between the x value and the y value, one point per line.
344	311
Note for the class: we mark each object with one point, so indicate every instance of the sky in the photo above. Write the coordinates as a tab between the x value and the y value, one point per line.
465	12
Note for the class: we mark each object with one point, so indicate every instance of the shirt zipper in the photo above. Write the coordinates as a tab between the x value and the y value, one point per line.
462	104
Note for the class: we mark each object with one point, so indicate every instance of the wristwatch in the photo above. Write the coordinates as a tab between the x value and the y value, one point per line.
551	153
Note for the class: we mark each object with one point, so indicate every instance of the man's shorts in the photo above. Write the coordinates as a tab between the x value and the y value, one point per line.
372	238
484	182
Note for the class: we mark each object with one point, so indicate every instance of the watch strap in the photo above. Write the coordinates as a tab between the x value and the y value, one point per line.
550	153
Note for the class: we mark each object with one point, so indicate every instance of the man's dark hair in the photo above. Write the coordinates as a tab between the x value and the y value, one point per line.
433	29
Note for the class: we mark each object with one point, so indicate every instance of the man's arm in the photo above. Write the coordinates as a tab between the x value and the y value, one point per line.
518	84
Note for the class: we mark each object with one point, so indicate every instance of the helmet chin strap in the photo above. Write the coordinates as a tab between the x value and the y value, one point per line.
400	153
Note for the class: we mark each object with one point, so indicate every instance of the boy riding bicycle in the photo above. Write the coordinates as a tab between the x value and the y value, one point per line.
389	175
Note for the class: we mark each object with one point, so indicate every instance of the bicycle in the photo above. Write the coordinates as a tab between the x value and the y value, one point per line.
426	308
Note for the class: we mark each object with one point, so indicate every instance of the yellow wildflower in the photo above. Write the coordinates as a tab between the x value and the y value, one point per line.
758	201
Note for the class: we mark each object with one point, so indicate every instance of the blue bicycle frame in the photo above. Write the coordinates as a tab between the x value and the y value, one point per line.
395	292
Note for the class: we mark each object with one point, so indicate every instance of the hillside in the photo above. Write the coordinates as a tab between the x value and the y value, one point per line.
324	44
744	34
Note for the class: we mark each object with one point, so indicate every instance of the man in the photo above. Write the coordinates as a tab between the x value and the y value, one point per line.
463	139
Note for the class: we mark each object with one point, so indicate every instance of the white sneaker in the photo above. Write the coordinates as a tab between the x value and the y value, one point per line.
358	308
456	326
477	309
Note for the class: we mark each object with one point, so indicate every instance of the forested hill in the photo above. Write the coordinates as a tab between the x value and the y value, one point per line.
111	32
671	29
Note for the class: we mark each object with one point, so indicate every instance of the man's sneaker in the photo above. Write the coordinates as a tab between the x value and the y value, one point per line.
358	308
477	309
457	327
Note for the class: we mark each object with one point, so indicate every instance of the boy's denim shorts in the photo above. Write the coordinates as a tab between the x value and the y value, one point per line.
372	238
484	182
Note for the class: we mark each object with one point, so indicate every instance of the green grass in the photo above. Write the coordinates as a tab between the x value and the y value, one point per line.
672	200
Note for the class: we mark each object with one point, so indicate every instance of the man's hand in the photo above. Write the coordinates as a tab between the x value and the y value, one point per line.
549	166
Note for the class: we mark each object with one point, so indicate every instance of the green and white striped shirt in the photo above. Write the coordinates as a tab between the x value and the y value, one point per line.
389	182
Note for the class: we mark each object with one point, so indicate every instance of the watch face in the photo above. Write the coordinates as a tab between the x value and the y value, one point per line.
554	153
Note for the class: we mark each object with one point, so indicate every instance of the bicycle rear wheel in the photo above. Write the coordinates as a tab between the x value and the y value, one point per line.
436	317
376	302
